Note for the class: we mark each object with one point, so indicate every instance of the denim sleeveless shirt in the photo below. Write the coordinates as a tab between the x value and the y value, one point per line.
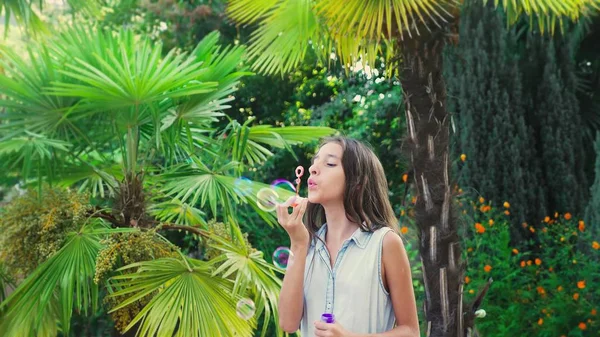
352	289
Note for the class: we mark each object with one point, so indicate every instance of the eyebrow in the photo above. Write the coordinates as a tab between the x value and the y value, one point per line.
329	155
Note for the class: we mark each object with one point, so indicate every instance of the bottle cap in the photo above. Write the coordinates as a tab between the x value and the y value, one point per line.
328	318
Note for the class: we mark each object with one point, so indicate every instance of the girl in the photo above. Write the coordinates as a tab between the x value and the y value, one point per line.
356	266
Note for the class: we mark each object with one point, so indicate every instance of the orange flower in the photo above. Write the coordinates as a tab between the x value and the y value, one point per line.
404	229
405	177
582	326
596	245
515	251
550	269
491	222
541	290
402	213
576	296
567	216
522	264
560	288
467	279
547	219
481	200
469	249
524	224
471	291
529	262
506	204
581	225
540	321
463	157
531	229
581	284
479	228
538	261
593	312
507	212
414	200
487	268
556	214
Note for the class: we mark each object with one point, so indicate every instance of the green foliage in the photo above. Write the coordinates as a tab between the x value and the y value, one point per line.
122	249
562	149
34	227
510	95
592	211
60	285
547	291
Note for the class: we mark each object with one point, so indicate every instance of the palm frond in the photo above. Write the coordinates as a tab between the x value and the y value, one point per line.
284	36
249	11
366	19
219	191
251	273
186	295
29	151
57	287
131	74
548	13
178	212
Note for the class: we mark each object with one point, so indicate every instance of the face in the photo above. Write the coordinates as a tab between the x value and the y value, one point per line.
327	179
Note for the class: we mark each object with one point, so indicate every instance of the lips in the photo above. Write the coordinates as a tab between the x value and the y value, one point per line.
311	184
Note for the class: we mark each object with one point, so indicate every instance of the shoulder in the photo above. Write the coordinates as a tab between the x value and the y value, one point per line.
392	242
393	250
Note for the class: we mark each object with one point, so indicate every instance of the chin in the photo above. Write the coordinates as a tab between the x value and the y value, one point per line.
313	199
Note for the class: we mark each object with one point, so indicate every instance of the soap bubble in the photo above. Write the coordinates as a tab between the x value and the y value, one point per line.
245	308
267	199
282	183
243	186
281	257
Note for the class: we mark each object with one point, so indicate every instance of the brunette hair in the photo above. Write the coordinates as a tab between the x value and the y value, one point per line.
366	199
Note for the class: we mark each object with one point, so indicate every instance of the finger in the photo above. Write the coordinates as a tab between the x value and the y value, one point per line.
289	202
279	215
297	209
321	326
321	333
303	207
282	215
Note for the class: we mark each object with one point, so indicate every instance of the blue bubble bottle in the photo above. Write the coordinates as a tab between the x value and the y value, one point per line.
328	318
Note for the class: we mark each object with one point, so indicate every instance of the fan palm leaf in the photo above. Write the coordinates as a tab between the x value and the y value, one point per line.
57	287
186	294
250	272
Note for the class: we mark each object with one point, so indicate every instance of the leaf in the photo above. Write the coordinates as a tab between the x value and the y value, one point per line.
186	295
57	287
251	272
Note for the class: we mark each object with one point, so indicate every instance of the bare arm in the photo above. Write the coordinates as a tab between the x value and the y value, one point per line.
291	297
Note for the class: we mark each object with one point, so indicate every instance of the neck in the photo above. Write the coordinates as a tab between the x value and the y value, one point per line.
339	228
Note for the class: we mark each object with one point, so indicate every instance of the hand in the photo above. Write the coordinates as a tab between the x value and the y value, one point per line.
292	222
323	329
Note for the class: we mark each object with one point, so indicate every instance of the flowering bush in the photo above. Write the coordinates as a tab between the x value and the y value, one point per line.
550	289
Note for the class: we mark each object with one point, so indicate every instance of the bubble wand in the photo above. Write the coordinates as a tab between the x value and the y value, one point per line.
299	174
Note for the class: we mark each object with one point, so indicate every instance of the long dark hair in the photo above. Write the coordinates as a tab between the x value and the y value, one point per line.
366	199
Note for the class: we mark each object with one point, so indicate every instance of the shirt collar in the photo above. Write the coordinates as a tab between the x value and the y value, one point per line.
359	237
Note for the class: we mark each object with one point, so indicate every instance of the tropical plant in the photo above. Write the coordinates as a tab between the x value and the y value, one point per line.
106	113
411	35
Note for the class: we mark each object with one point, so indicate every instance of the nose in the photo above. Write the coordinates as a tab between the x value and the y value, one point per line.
312	169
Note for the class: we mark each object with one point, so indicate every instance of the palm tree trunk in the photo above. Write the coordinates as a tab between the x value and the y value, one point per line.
428	147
